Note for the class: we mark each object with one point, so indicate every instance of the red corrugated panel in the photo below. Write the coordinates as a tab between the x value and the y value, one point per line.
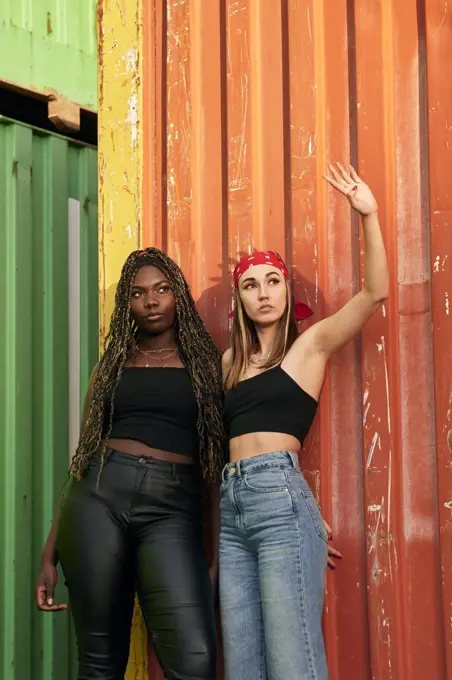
248	100
437	209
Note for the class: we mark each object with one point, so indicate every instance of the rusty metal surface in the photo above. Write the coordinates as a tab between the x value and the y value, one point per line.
243	102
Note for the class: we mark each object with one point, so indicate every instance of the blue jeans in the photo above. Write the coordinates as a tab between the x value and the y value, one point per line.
273	555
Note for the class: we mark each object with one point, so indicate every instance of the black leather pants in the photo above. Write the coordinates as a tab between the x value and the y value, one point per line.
139	530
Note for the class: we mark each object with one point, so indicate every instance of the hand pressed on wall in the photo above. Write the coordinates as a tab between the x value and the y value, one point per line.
333	554
351	185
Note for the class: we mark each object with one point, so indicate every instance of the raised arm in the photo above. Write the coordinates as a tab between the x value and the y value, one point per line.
330	334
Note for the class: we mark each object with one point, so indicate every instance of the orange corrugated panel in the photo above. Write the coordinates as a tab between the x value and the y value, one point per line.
245	102
436	45
400	481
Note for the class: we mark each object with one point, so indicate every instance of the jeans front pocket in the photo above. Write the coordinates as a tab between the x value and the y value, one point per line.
266	480
300	486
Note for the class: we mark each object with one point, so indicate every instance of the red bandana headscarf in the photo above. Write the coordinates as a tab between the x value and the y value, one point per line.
272	258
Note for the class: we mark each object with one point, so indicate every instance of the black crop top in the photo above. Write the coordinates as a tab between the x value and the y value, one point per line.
269	402
156	406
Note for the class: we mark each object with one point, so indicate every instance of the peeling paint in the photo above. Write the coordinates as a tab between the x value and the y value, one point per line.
131	58
376	571
371	450
133	117
120	196
388	409
439	265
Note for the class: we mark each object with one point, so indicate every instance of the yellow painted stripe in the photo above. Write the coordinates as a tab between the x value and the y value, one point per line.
120	185
119	142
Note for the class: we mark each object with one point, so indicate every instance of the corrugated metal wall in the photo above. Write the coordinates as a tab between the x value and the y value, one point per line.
48	274
51	44
232	109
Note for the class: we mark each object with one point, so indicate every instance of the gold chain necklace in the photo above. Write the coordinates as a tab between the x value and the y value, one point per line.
161	361
257	365
259	362
155	351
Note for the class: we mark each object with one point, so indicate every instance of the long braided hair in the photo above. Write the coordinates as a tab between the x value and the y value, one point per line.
197	351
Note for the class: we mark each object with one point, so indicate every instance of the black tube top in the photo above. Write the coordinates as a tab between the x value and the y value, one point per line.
155	406
269	402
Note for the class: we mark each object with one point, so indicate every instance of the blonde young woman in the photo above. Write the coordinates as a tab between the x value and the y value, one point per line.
273	542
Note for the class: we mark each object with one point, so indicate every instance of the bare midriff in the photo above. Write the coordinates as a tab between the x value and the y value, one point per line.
258	443
136	448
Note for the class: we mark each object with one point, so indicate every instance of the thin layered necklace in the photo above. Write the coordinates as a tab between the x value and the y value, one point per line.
257	364
261	360
163	356
258	361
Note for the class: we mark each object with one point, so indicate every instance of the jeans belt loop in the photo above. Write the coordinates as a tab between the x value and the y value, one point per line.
294	460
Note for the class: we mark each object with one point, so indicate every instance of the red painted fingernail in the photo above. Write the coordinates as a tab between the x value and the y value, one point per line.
355	188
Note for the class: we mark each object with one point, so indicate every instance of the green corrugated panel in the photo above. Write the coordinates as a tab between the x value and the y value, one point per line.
51	44
41	175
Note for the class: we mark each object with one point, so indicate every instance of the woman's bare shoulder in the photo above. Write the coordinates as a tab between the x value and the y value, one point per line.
226	359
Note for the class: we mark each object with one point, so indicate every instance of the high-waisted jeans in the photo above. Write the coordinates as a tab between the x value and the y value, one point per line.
139	530
273	555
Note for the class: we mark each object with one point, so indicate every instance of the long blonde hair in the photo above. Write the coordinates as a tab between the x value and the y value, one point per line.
244	340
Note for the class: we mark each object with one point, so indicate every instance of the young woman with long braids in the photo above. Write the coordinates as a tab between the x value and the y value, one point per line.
273	544
130	517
